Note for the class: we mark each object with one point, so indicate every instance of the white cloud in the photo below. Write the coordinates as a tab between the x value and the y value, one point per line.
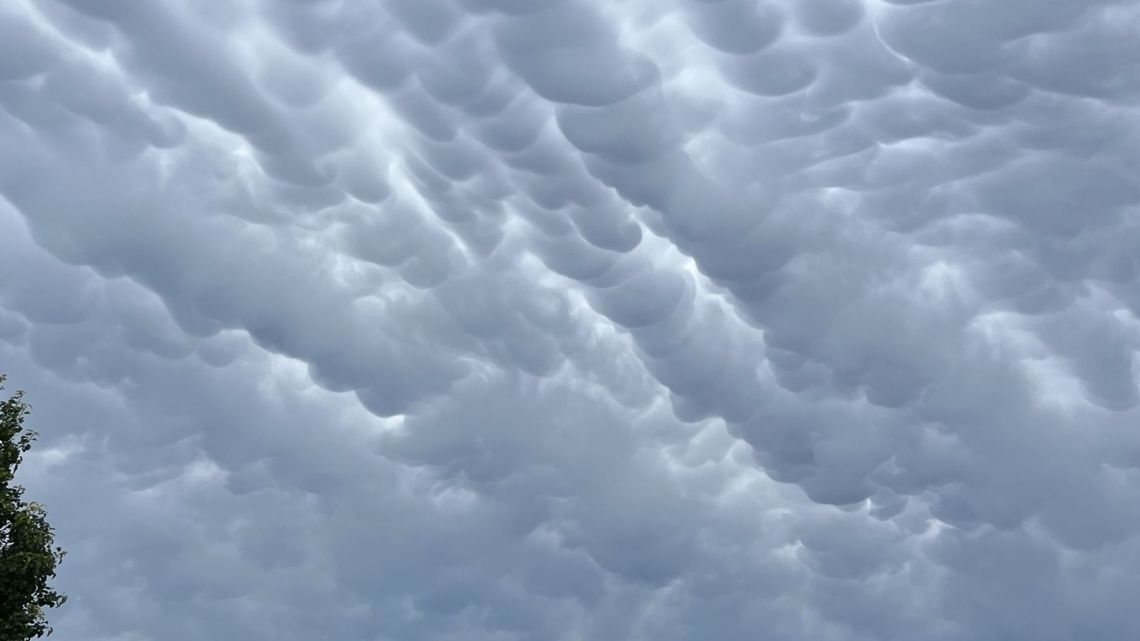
497	319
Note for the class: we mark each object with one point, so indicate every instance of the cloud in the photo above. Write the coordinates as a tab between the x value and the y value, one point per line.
573	319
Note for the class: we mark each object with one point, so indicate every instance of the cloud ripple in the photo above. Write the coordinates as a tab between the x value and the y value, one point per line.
505	319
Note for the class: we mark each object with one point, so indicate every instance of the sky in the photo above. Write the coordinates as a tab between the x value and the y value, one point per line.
578	320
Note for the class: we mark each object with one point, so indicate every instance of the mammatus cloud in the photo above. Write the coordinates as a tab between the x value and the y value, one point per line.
568	319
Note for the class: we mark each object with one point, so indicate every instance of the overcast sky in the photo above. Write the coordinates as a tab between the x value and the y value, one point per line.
578	320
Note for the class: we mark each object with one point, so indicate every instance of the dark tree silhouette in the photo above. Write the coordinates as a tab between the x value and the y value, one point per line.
28	555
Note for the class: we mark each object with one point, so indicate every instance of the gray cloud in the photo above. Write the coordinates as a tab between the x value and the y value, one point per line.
578	320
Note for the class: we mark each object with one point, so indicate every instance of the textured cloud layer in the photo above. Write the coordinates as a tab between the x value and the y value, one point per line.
572	319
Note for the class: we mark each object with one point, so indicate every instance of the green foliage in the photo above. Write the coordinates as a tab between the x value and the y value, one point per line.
28	555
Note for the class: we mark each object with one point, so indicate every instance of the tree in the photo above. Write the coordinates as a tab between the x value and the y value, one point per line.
28	555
